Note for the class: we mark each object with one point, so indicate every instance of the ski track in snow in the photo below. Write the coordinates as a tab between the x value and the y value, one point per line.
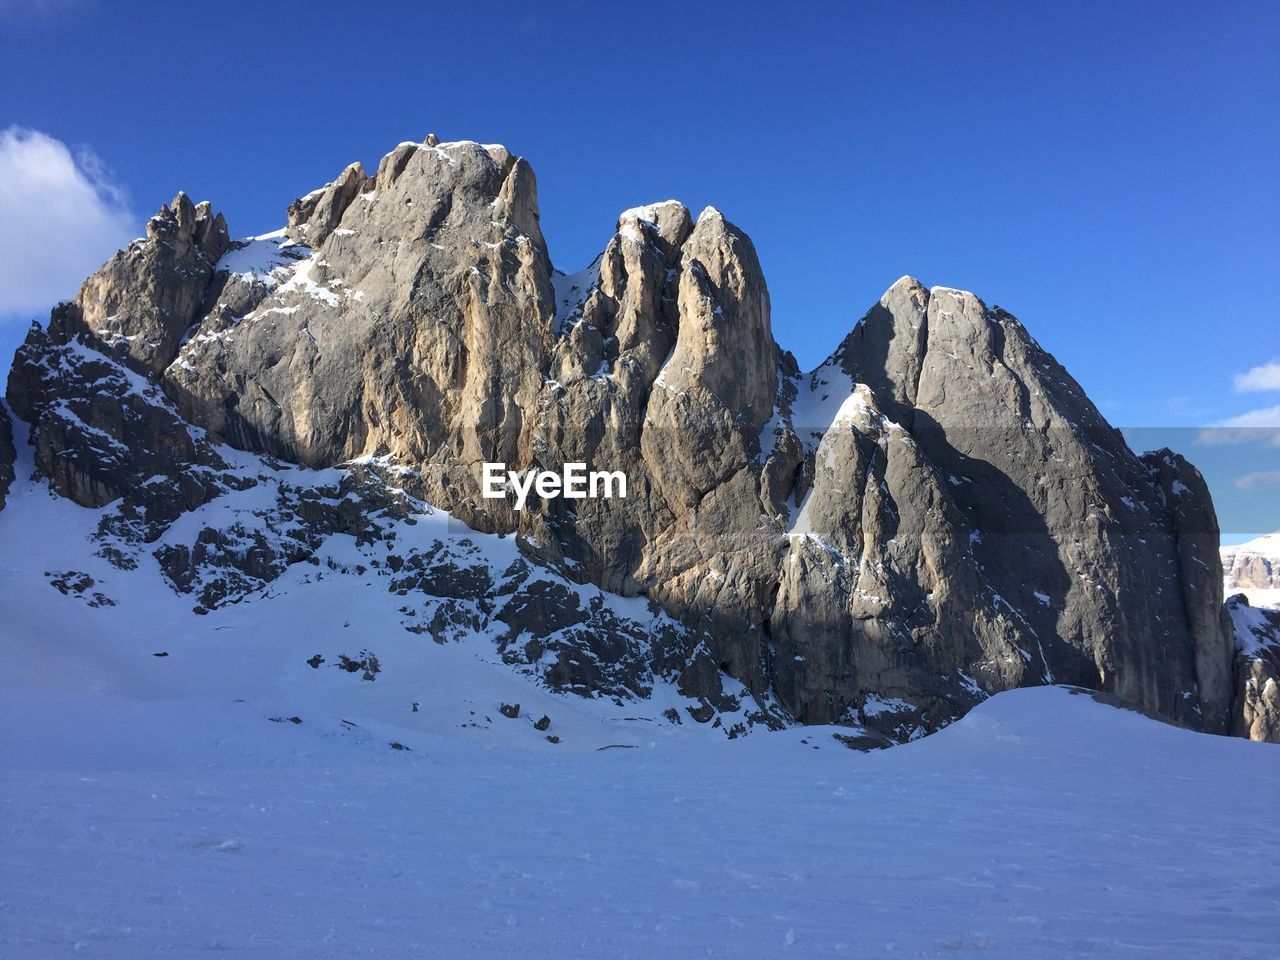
150	806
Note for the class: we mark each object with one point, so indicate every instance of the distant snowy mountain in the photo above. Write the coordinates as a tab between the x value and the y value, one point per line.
1253	568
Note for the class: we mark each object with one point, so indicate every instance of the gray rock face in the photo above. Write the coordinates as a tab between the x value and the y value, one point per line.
1256	712
1196	536
7	454
934	514
1003	526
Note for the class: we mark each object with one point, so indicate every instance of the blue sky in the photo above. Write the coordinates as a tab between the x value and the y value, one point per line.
1106	171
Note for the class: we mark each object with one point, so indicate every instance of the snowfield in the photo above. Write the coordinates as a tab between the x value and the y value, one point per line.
1044	824
228	799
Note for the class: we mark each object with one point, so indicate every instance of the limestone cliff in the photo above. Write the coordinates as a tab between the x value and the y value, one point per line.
933	514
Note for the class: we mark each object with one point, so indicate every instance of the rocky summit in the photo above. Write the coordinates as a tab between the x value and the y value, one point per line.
934	514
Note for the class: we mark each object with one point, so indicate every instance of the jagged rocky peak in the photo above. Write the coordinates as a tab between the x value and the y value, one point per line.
996	500
312	218
425	287
725	343
143	300
933	514
885	348
666	224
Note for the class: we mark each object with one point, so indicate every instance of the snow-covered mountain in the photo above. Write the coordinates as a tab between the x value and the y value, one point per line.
283	681
1253	568
934	514
410	611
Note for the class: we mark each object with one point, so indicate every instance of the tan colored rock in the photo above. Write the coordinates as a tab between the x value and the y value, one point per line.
312	218
142	302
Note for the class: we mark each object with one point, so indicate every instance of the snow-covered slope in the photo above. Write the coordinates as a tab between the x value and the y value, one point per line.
143	822
1253	568
294	638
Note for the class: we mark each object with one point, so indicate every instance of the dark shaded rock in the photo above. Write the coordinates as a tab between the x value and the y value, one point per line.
101	433
1196	533
72	583
541	608
7	454
367	665
862	742
702	713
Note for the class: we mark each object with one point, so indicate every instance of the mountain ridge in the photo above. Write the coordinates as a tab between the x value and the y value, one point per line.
957	519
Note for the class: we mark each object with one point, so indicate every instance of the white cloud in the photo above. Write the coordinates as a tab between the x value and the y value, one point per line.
1258	478
1254	419
1258	427
60	218
1260	378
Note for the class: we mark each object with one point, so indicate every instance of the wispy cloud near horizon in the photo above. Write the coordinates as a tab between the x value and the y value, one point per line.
1258	478
1261	427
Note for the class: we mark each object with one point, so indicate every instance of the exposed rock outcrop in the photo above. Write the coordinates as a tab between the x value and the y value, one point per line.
102	433
932	515
1257	670
7	454
143	300
417	326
